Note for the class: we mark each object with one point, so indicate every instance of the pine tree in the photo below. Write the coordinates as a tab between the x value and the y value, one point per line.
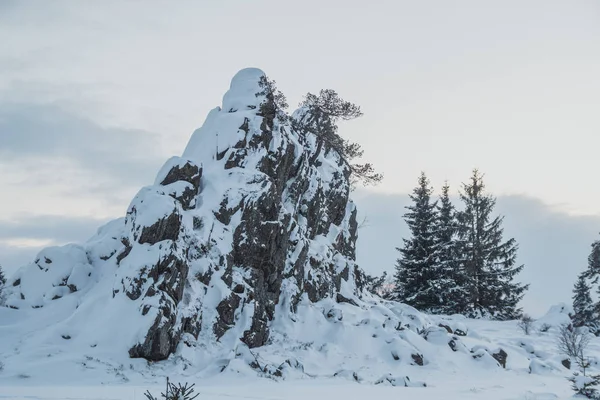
582	303
487	260
416	267
321	117
593	273
2	277
449	279
593	270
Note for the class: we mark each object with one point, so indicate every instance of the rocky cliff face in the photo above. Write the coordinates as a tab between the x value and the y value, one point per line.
251	220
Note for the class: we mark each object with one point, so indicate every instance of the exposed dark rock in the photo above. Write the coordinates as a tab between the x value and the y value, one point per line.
452	344
566	363
221	154
226	310
501	357
164	229
186	197
334	314
341	299
104	258
239	289
189	173
460	332
170	274
205	277
418	359
125	251
161	340
192	326
446	327
225	213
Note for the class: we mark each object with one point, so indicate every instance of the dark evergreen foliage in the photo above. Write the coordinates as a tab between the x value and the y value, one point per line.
417	266
585	385
583	306
276	102
458	262
592	273
487	261
175	392
449	278
594	260
321	117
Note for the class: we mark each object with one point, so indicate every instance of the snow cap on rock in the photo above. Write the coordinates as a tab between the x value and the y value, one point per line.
243	89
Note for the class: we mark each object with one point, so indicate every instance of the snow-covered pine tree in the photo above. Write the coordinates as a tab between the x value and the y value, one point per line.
593	273
416	268
594	261
583	306
449	280
320	116
2	284
487	260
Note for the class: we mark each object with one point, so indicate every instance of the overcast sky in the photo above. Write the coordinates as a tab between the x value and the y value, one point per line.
95	96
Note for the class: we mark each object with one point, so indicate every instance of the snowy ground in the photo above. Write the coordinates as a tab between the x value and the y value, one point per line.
533	371
452	388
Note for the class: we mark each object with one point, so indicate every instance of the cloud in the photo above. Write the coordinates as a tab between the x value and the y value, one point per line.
33	132
553	245
55	161
57	229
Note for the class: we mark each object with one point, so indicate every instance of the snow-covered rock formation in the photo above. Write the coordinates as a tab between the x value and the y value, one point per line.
251	220
239	260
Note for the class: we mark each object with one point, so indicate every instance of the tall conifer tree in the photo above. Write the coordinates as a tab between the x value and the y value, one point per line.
416	267
486	259
583	307
593	273
450	279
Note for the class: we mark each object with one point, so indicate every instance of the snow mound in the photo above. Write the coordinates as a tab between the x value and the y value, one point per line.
556	316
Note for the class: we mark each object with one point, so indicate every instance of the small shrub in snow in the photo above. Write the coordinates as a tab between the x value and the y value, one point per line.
573	342
526	324
544	328
175	392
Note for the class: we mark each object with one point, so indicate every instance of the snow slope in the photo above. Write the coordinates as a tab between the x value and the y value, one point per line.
338	351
